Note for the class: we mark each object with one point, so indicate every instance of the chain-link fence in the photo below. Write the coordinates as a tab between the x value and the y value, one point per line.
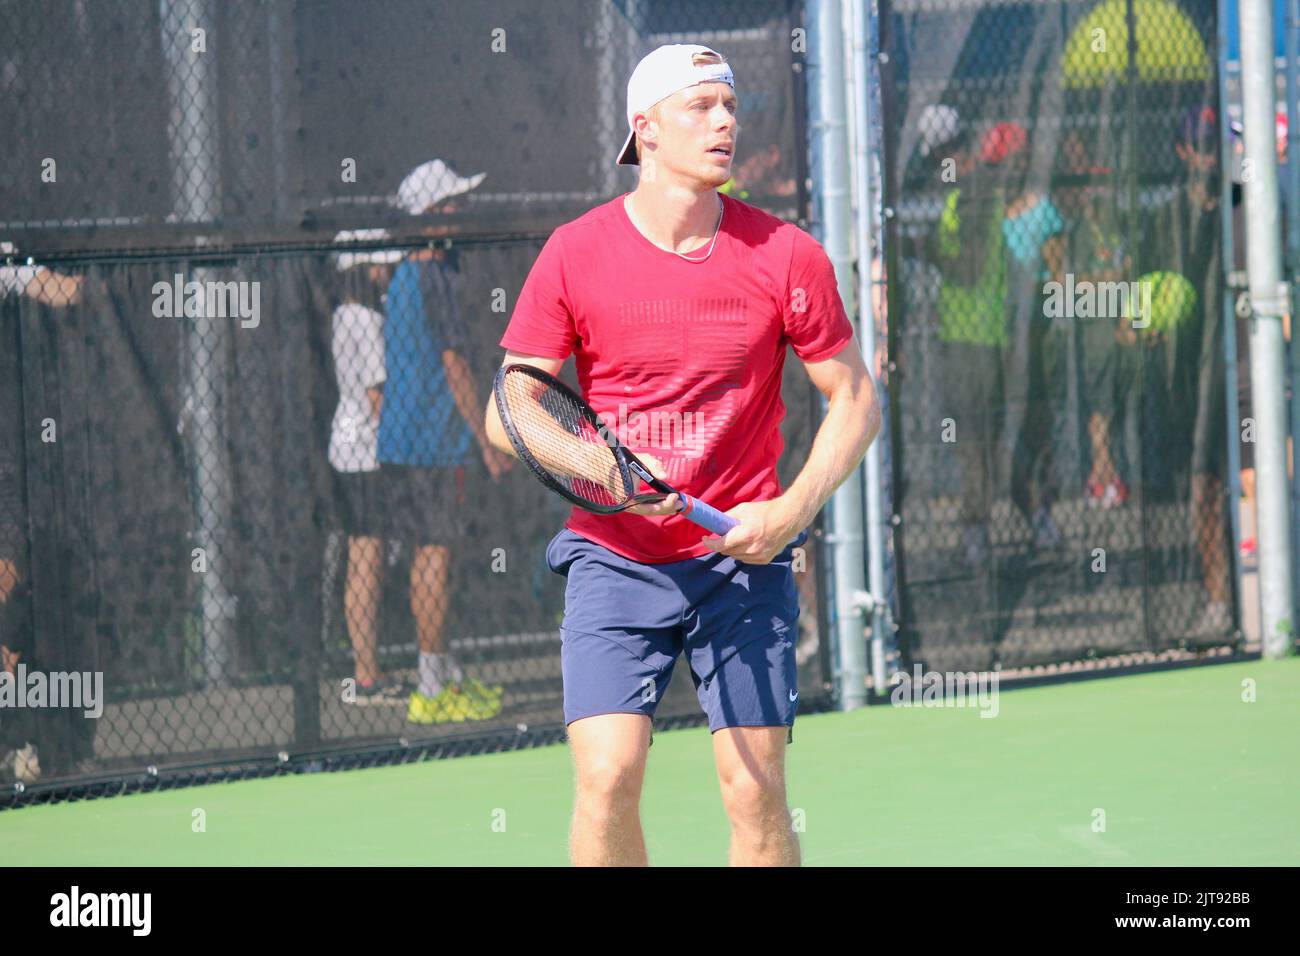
146	123
246	487
1056	212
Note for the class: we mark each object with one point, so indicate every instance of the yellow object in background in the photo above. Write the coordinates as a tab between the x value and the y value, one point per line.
729	187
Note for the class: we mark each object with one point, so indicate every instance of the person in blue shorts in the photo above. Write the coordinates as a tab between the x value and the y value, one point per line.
678	304
429	428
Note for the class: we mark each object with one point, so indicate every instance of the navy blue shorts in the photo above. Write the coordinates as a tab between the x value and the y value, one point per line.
625	623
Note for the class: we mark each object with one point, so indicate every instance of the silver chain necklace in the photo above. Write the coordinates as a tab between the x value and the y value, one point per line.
722	208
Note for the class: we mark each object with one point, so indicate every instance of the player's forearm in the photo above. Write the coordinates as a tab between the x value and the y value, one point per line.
556	450
496	433
851	424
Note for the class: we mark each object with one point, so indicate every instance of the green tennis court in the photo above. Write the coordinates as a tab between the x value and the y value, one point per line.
1185	771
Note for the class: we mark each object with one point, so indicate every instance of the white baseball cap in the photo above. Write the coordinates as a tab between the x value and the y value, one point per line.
660	74
430	183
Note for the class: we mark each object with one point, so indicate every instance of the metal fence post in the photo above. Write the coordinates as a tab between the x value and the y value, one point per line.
1267	347
864	174
193	135
829	121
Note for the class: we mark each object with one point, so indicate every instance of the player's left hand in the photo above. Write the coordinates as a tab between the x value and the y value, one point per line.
765	529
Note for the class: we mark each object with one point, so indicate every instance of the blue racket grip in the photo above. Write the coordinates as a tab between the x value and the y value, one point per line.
706	516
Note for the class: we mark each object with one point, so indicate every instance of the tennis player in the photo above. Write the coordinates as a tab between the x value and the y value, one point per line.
678	304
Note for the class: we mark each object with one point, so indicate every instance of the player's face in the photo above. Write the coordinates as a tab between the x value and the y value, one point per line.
697	132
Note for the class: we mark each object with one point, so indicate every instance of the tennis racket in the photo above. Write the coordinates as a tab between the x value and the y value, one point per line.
574	453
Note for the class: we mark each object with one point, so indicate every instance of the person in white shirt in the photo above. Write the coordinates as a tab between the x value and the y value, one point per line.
358	346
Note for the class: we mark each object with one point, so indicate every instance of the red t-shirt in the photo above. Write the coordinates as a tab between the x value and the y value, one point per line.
683	359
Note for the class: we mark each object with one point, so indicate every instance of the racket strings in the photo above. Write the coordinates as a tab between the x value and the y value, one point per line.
564	441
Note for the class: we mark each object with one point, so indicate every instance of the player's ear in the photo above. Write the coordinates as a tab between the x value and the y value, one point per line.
647	129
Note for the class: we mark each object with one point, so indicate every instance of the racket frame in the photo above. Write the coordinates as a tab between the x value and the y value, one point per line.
691	508
630	467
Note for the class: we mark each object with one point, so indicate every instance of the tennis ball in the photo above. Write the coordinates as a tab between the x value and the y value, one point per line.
1172	300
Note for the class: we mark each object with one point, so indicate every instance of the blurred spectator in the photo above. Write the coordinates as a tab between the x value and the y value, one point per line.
1096	252
1104	257
968	252
430	420
358	346
997	241
1244	403
1185	362
1033	233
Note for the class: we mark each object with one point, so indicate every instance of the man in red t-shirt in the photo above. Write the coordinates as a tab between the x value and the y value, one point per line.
677	304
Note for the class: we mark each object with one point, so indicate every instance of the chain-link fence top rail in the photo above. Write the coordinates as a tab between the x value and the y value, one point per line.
247	489
1058	333
152	122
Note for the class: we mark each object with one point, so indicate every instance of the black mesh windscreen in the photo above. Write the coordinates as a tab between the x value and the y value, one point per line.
1056	320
